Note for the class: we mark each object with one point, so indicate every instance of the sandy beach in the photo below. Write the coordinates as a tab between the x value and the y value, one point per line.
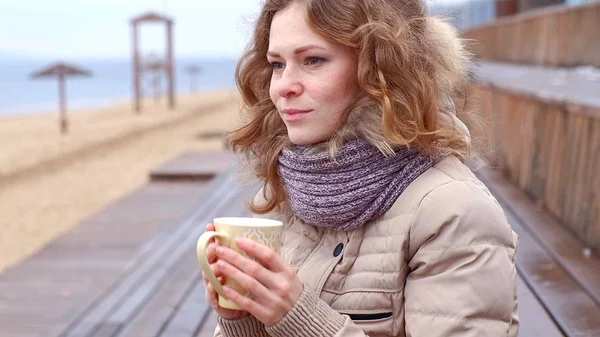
50	183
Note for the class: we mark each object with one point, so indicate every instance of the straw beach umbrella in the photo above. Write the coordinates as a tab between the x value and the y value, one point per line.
61	71
193	71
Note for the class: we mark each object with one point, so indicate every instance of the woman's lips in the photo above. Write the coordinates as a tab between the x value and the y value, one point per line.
292	115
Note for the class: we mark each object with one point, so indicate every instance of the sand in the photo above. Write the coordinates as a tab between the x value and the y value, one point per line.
49	183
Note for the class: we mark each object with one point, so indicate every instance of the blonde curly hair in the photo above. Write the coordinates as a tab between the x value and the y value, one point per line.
410	68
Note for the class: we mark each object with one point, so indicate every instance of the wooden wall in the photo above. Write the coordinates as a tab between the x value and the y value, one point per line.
551	151
554	36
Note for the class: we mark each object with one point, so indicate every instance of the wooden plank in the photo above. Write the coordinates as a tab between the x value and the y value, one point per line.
579	201
569	305
555	36
571	88
191	316
119	305
194	166
592	232
526	142
570	170
61	281
539	158
194	311
161	307
209	326
534	321
545	237
107	330
555	185
590	22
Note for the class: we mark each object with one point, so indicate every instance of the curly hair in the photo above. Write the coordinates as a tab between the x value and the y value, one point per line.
404	70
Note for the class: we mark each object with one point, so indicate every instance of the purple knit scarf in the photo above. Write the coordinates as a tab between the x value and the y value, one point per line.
360	185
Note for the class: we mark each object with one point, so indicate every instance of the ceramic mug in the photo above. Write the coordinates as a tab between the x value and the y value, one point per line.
264	231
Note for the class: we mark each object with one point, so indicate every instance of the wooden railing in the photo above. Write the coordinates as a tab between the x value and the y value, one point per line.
545	122
552	152
554	36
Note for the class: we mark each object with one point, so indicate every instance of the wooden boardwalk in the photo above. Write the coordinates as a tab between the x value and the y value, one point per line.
131	270
128	271
559	284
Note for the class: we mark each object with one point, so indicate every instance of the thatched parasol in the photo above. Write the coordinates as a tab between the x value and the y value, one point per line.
61	70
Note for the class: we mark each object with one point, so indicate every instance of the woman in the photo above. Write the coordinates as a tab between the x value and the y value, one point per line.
353	134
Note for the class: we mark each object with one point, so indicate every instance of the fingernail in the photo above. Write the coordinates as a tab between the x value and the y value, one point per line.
221	264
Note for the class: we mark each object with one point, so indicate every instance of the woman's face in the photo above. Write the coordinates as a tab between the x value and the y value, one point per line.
313	80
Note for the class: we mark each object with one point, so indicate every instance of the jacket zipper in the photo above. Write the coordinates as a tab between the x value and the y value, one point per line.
369	317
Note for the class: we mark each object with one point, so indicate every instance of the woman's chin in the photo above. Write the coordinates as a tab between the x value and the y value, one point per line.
297	137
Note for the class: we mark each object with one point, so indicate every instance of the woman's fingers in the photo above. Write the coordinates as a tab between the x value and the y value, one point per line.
215	271
210	292
211	254
265	255
248	282
211	296
261	272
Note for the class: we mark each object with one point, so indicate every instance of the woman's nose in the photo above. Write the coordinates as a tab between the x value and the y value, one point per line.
289	84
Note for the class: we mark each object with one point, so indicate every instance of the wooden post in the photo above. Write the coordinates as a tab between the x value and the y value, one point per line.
157	81
170	65
136	68
506	7
62	97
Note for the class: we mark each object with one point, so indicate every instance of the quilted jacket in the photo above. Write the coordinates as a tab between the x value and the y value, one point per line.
440	262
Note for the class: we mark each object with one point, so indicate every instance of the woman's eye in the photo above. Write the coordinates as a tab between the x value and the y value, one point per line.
276	65
314	60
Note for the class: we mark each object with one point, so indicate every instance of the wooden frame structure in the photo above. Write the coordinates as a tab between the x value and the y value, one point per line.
138	68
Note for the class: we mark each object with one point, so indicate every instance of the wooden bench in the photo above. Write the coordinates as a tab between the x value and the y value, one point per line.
559	278
575	90
545	138
551	36
193	166
130	270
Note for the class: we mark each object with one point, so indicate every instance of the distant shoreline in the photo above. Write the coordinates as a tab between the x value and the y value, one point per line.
111	81
73	108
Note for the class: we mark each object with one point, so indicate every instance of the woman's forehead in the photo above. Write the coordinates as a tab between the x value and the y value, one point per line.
290	31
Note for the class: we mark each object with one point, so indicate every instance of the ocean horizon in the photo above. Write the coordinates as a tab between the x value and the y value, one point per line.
111	81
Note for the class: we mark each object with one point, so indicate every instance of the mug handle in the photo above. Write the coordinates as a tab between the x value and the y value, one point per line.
203	259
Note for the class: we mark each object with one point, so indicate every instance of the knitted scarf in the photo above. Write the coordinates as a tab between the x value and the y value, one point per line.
359	185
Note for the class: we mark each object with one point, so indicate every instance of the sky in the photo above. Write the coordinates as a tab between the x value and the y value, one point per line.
77	29
99	29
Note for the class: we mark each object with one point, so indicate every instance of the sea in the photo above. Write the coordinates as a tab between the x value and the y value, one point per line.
111	80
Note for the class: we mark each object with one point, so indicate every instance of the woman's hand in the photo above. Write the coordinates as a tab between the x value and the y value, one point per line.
272	284
211	294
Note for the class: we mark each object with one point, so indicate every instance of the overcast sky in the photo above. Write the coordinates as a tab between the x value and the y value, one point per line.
100	29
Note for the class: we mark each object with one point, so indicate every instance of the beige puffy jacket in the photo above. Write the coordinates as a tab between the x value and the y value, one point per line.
440	262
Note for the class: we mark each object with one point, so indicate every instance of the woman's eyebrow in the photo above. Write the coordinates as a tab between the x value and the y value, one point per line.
298	50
